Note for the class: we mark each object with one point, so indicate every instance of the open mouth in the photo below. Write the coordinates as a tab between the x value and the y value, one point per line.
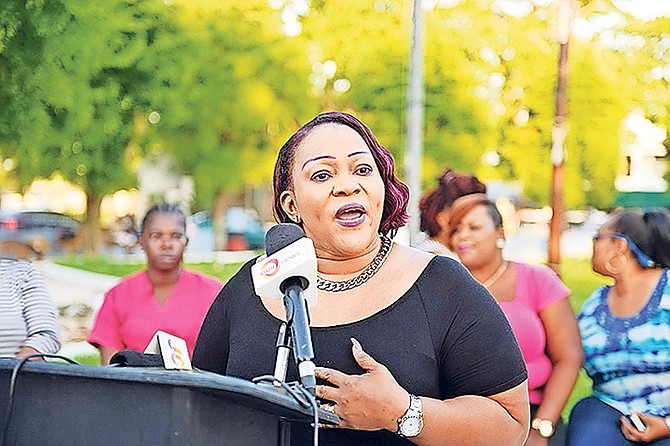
350	215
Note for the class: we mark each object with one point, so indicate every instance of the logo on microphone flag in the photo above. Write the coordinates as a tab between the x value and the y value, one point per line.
270	268
295	260
172	349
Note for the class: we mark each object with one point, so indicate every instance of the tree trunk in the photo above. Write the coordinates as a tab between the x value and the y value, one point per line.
92	232
218	211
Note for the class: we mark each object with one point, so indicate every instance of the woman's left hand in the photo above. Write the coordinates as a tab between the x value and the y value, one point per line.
370	401
655	428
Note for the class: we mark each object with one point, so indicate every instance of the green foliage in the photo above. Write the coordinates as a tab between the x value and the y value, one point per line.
593	159
119	81
88	89
363	41
79	73
227	87
112	267
89	359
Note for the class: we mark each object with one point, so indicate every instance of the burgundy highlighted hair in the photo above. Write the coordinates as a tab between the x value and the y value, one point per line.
451	185
394	215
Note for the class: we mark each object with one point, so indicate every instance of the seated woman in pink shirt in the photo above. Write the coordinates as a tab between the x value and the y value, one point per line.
163	297
536	304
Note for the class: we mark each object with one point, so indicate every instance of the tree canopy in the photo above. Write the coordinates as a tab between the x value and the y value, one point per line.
88	89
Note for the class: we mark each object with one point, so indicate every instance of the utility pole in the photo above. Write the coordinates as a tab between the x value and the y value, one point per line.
414	152
558	136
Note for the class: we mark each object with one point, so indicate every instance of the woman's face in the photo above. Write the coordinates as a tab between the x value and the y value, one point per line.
164	241
338	192
474	238
605	246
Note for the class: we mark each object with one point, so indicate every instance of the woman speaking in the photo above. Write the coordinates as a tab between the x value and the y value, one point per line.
409	347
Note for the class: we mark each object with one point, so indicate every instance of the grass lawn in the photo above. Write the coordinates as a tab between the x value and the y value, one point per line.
576	273
113	267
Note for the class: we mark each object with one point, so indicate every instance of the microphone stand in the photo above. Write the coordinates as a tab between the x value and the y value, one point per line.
283	352
297	318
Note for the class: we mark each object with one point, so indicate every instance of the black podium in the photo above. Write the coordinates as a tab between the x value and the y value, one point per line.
66	404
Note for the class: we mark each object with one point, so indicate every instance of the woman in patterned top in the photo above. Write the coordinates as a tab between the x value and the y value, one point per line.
28	317
625	331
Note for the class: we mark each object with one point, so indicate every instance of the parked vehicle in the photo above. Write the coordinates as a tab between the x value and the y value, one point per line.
243	230
29	234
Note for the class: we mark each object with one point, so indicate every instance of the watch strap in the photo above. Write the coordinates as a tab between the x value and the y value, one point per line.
414	411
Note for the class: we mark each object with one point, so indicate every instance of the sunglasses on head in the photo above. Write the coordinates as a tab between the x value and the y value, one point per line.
642	258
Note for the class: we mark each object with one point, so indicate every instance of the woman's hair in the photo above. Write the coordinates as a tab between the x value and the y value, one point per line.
463	205
394	215
649	230
450	186
162	208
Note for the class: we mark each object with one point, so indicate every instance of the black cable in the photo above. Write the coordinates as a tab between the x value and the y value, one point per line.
296	392
315	411
291	390
12	386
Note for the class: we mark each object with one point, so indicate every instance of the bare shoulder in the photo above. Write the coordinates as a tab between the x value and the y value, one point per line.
407	263
412	254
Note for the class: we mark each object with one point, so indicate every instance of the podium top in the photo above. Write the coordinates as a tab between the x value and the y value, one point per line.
265	397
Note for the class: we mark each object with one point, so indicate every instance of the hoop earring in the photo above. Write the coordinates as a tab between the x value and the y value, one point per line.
500	243
612	268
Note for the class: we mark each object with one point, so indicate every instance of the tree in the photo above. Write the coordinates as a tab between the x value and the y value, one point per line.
236	91
217	89
72	114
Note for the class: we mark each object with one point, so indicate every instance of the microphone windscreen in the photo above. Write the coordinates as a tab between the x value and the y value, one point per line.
281	235
134	358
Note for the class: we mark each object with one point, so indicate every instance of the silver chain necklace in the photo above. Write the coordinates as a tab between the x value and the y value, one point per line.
371	270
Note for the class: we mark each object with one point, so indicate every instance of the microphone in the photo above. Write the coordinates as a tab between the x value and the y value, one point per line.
134	358
290	255
165	350
289	273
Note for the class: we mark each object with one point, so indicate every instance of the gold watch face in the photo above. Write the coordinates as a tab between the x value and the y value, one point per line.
545	428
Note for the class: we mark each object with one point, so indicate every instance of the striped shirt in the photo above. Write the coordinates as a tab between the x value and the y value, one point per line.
28	316
628	358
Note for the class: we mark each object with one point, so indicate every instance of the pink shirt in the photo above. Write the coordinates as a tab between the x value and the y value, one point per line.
537	287
130	316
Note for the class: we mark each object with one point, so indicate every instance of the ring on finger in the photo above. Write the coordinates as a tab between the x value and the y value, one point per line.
328	407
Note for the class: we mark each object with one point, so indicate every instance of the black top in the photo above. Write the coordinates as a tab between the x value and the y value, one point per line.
445	337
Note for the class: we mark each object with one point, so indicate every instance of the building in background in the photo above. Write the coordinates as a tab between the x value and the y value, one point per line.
642	184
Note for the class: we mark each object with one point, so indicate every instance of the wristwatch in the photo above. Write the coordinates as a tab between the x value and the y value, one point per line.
543	427
411	423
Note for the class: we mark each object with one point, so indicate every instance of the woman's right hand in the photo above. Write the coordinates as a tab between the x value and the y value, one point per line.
25	351
535	439
371	401
656	428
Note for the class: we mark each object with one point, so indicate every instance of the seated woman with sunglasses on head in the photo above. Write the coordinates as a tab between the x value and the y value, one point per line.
625	331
